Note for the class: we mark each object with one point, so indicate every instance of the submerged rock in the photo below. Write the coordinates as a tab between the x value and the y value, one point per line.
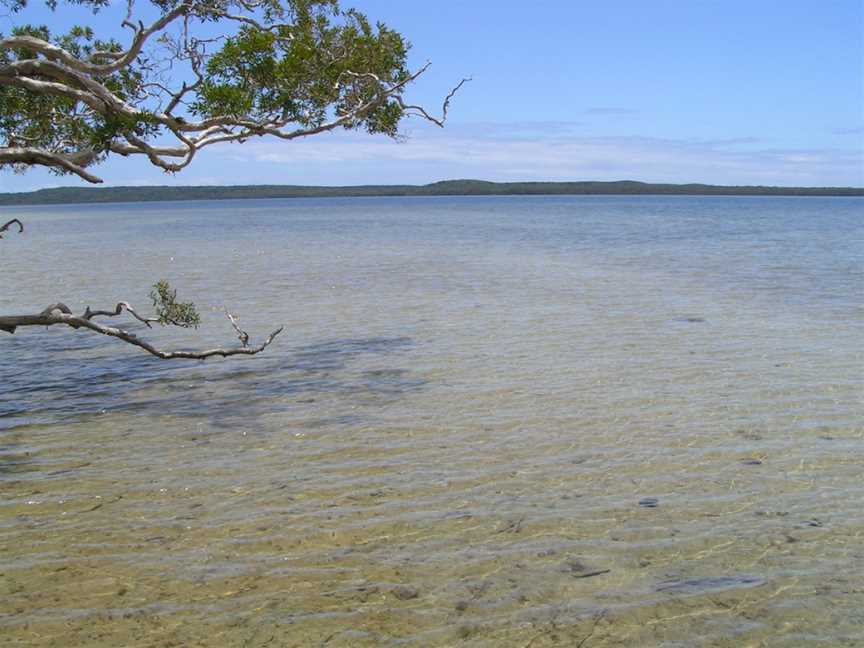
577	569
404	592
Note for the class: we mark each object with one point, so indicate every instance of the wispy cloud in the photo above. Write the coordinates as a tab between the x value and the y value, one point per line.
535	150
563	155
498	130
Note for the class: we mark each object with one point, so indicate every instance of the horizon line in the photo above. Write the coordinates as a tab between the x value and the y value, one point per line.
433	183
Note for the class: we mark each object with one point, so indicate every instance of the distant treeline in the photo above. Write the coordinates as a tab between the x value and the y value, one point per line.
70	195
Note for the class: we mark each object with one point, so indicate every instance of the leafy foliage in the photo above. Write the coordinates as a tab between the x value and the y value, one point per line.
169	310
212	71
300	76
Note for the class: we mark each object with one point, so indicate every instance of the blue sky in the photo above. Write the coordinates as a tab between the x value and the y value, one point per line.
725	92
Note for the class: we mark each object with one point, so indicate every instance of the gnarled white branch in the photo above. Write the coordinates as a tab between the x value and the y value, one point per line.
56	53
61	314
72	162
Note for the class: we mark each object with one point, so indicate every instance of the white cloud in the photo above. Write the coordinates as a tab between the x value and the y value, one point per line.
559	154
490	151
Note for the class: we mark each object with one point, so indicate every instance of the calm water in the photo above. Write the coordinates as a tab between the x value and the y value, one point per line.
592	421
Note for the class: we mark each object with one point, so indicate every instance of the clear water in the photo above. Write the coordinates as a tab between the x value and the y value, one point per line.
586	421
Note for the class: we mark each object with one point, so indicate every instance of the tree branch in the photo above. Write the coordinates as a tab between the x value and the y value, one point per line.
72	162
193	136
55	53
121	102
420	111
61	314
241	334
118	309
12	222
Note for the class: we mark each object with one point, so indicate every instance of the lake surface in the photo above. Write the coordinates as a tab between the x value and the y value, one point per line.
540	421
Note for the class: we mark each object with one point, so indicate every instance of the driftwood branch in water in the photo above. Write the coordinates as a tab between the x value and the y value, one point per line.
60	313
12	222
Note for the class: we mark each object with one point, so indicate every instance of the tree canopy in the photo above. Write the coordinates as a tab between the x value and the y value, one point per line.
197	73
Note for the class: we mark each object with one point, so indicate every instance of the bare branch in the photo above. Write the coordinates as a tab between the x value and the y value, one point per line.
243	335
420	111
61	314
12	222
118	309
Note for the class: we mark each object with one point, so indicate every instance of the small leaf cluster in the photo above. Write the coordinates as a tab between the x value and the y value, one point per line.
171	312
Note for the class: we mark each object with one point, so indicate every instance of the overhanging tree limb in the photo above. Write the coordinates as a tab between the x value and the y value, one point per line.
61	314
283	68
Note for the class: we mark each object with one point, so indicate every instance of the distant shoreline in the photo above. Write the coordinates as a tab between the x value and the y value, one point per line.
73	195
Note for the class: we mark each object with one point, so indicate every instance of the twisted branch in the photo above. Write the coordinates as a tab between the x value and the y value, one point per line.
72	162
9	224
60	313
118	309
123	59
421	112
241	334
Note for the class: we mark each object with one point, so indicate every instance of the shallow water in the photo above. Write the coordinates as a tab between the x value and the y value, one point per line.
586	421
